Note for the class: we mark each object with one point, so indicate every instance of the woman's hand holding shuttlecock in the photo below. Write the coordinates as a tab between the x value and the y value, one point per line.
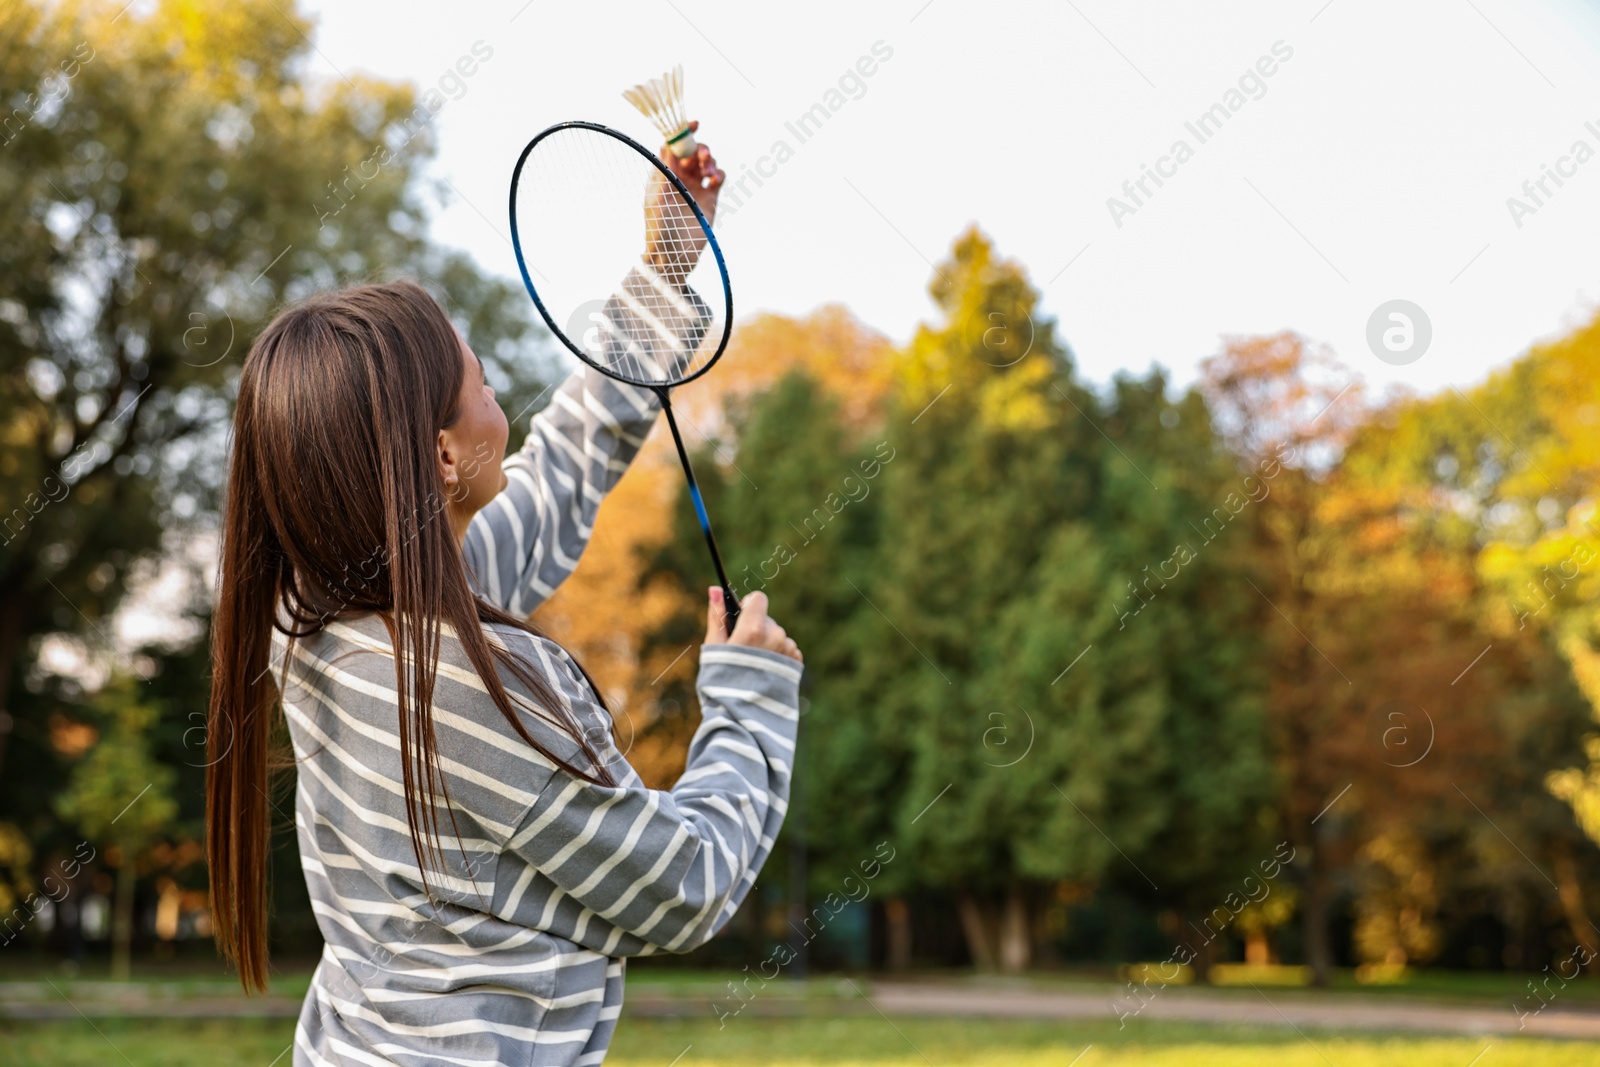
672	235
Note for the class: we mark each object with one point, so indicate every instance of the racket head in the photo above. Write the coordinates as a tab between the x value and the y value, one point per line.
578	196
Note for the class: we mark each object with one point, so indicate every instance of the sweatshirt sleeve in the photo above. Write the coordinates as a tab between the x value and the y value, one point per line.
527	540
630	871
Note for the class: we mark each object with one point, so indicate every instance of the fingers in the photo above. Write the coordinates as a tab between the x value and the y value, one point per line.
777	640
697	171
709	171
716	618
757	629
708	168
753	621
700	171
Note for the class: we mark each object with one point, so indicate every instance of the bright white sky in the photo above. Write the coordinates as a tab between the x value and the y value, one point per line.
1376	166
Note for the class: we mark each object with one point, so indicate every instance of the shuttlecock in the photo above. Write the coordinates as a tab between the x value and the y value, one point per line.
661	101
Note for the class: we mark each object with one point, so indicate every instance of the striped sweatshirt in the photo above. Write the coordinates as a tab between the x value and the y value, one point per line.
555	880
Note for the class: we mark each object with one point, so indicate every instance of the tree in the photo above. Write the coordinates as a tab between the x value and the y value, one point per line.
792	479
121	796
1369	593
809	539
630	612
1021	534
1548	559
1542	524
16	884
1278	405
1447	716
942	578
168	177
1184	646
990	463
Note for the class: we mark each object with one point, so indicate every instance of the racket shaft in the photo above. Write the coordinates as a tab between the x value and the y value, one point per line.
730	602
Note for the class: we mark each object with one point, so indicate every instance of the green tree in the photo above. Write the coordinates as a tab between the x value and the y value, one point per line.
1075	734
797	515
120	796
1181	687
944	572
991	463
169	177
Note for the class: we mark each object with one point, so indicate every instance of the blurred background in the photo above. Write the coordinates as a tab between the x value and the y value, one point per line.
1172	434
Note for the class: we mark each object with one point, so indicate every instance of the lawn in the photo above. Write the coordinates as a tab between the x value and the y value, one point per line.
882	1042
819	1021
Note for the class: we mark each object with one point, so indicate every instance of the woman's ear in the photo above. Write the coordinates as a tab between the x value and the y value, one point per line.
448	471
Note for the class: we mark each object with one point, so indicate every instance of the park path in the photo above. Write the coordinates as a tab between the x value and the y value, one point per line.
1275	1008
1297	1009
1264	1007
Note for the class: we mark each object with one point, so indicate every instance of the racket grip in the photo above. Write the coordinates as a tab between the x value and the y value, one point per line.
730	607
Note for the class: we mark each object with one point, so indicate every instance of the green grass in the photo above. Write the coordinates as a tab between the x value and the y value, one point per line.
1501	986
147	1043
873	1040
210	977
824	1029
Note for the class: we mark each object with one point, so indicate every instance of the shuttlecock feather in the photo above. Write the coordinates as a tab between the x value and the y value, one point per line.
661	101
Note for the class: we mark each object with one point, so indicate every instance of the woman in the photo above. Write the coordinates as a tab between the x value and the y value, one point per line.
378	562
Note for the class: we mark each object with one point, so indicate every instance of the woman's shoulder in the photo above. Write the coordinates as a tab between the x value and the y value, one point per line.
367	634
538	651
555	665
353	650
357	652
567	701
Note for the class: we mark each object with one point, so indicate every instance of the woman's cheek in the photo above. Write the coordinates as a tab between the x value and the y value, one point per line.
503	427
500	450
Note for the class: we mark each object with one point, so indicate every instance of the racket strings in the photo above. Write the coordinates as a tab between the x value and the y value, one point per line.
585	202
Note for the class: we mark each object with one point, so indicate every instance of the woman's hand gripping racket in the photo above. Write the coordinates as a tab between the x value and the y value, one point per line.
576	195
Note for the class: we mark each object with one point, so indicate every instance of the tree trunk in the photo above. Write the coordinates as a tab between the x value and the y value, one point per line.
1571	893
1016	934
978	926
898	917
11	625
1205	948
1319	957
122	920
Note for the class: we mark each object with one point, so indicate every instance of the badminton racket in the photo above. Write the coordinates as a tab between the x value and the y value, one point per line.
591	206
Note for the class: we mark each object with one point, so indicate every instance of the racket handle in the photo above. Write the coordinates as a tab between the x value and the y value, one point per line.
730	608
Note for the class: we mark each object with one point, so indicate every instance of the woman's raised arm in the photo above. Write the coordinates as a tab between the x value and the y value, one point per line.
528	539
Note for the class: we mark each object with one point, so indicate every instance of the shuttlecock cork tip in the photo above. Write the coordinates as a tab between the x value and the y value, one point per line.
661	101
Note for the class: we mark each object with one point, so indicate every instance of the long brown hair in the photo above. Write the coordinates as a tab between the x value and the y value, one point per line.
335	508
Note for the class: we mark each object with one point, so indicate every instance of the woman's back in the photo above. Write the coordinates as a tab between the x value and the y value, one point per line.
388	952
555	878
